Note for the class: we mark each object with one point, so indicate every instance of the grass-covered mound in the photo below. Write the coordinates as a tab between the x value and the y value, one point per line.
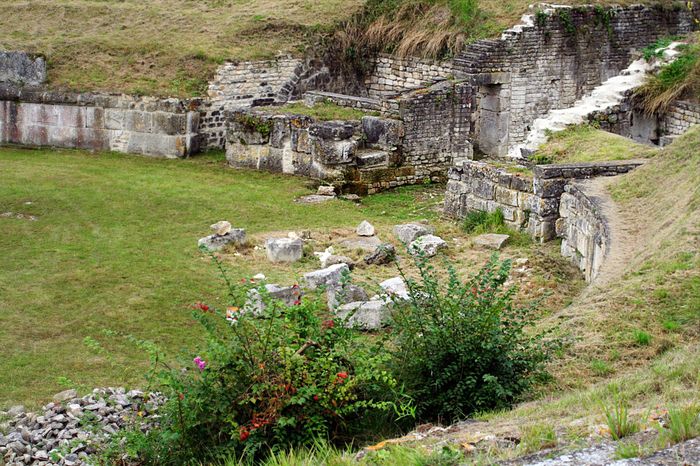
585	143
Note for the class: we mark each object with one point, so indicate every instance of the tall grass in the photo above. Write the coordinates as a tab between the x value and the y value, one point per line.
677	80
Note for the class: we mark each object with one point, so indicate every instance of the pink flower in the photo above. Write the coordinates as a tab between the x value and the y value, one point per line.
201	363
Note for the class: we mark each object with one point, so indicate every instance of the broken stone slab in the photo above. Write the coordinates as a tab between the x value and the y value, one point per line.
351	198
491	241
345	294
384	254
364	243
221	228
410	232
395	288
16	411
330	277
216	242
284	249
314	199
334	260
288	295
366	315
326	191
365	229
427	245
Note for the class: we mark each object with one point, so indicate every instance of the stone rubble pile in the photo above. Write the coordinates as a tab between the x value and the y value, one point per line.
71	428
223	235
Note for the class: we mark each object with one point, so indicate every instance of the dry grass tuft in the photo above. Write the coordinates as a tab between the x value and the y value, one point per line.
677	80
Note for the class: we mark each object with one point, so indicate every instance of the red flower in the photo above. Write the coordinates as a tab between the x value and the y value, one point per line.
181	396
245	433
328	324
202	307
343	375
316	398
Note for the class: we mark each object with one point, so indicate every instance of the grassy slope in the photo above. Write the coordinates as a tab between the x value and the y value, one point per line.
172	47
115	247
583	143
166	47
658	293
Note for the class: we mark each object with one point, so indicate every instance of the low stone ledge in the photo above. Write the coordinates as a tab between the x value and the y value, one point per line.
586	169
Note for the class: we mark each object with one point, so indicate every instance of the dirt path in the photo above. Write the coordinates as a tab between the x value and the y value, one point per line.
624	233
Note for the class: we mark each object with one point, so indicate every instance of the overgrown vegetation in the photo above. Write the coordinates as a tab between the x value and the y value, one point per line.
465	346
679	79
479	222
266	380
586	143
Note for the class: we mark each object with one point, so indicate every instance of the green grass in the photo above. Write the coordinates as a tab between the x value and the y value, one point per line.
115	247
480	222
537	437
584	143
324	111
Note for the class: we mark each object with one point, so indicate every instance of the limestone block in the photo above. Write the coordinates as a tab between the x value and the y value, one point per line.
409	232
395	288
284	249
491	241
330	277
366	315
332	152
427	245
506	196
217	242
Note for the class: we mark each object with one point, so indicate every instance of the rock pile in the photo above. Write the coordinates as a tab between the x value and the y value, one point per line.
71	428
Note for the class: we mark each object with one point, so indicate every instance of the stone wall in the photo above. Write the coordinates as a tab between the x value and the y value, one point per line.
388	107
251	83
564	53
392	75
678	119
583	229
148	126
529	201
22	68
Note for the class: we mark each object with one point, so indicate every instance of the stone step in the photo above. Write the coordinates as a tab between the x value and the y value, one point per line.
372	158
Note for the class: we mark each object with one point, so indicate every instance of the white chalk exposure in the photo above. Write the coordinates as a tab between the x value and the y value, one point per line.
603	97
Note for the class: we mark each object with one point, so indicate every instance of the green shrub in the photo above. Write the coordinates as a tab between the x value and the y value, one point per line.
284	379
464	347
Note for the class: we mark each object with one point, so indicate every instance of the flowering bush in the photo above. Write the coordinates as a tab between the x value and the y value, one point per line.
267	382
463	347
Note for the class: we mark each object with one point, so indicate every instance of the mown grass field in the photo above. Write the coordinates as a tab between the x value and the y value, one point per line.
114	247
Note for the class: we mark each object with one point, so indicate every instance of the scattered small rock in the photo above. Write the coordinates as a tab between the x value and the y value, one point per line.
428	245
16	411
409	232
351	198
384	254
284	249
326	191
491	241
221	228
365	229
65	396
334	260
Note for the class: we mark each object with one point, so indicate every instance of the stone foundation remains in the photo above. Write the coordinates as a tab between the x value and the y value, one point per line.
154	127
545	203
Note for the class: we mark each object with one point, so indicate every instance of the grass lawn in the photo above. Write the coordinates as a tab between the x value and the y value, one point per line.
114	247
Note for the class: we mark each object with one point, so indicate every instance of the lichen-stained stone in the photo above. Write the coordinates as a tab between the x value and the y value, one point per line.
284	249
